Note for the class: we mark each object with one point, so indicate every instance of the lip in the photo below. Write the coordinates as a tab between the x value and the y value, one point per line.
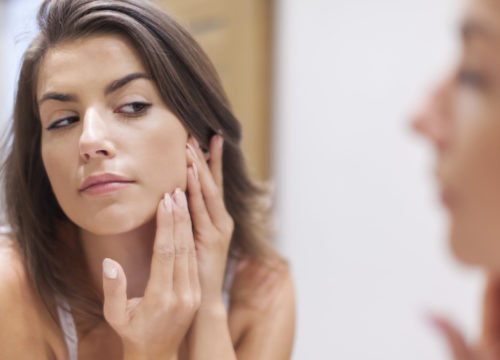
447	199
103	183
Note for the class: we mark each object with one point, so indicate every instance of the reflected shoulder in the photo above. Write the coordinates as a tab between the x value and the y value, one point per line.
262	311
262	286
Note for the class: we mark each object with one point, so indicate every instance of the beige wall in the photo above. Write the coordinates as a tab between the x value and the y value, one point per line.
237	37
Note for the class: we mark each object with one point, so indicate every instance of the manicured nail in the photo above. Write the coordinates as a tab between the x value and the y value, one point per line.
195	171
180	198
436	321
110	269
220	141
195	142
192	151
167	202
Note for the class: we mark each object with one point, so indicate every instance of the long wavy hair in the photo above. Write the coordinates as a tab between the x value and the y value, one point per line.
188	84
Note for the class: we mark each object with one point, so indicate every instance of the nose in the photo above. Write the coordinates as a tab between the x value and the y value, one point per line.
434	119
94	140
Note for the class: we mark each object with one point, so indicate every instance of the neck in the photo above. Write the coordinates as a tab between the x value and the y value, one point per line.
133	250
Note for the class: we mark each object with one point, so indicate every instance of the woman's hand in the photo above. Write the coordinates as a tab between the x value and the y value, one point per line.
209	336
488	348
213	226
459	347
152	327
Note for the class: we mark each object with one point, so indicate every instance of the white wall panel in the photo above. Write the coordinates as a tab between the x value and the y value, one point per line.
358	212
19	27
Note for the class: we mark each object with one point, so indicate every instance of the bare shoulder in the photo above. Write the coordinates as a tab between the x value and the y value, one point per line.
21	332
13	278
262	285
262	311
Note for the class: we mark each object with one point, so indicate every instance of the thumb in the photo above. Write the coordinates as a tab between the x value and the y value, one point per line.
114	284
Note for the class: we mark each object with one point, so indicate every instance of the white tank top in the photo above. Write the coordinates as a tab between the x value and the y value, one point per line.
68	327
68	324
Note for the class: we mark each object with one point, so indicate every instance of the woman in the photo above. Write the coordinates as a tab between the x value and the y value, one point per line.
131	212
462	122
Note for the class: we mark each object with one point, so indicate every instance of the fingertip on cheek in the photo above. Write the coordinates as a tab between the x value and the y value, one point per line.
191	152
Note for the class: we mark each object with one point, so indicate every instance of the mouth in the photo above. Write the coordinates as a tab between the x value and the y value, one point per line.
446	199
446	195
104	184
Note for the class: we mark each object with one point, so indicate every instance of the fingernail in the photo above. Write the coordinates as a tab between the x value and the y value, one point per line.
110	269
191	151
167	202
195	142
220	141
435	321
195	170
180	198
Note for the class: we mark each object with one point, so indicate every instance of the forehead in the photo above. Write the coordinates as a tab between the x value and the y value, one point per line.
93	59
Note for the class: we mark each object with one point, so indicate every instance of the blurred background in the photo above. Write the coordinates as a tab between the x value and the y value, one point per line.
325	90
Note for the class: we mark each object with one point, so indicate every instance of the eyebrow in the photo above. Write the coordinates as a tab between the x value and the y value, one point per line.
115	85
473	28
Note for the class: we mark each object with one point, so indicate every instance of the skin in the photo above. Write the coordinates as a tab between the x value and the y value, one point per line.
166	252
461	120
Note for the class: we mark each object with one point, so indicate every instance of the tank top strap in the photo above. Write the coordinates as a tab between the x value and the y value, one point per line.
68	327
231	267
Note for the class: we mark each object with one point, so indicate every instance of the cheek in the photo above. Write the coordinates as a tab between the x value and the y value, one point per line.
162	160
58	168
475	143
166	169
477	158
474	175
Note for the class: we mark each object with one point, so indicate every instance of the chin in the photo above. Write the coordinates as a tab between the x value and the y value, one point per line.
114	223
473	246
461	250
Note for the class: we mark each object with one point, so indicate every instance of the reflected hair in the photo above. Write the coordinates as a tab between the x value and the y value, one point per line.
189	86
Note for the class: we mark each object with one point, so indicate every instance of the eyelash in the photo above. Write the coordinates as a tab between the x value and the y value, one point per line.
136	113
472	78
143	108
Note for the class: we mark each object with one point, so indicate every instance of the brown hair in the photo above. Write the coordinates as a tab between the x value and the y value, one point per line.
188	84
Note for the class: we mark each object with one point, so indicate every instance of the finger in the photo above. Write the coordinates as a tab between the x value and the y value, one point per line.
184	243
198	210
114	283
162	262
195	147
216	152
194	280
455	339
212	195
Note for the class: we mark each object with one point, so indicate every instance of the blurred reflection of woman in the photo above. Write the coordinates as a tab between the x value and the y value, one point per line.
135	232
462	120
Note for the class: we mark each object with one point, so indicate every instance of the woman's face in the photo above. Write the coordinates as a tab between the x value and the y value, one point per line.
462	120
110	145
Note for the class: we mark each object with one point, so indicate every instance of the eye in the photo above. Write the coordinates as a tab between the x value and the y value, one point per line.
62	123
472	78
135	108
